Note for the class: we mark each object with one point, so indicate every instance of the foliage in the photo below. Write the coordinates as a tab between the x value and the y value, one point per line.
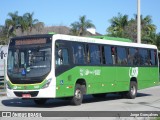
79	27
3	38
30	22
157	40
122	27
117	25
14	22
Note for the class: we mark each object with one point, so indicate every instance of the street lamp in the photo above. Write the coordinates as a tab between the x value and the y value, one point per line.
138	22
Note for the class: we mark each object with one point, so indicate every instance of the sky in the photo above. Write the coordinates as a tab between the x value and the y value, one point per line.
65	12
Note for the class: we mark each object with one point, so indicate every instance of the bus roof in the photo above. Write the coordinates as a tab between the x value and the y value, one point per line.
112	38
95	39
101	41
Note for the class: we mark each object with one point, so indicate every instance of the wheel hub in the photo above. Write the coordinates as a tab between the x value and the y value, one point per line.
133	90
78	94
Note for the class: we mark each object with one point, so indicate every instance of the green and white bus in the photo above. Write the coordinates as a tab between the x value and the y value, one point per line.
40	67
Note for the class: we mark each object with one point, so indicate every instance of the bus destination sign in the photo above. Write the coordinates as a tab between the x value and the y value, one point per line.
30	41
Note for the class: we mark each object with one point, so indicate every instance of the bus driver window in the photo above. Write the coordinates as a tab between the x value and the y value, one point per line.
62	57
59	57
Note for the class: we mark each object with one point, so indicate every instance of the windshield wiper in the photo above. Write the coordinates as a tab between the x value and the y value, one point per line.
40	66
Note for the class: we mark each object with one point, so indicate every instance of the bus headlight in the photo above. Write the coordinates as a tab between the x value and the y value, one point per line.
47	83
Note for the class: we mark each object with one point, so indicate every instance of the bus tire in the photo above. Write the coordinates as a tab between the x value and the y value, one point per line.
132	93
78	95
40	101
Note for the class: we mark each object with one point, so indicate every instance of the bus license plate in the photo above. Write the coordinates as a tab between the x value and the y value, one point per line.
26	95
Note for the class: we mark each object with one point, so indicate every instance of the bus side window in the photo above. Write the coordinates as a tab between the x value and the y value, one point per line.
94	52
121	56
131	53
103	55
107	55
148	58
137	57
153	57
143	56
78	53
114	57
87	54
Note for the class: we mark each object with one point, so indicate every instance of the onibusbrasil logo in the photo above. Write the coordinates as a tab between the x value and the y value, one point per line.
133	72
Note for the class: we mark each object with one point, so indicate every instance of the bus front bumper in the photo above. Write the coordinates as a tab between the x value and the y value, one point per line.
49	92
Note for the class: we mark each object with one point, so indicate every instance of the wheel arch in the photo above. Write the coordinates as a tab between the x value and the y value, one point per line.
83	83
134	79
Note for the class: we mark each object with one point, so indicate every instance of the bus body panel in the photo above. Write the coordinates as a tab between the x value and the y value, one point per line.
106	80
147	77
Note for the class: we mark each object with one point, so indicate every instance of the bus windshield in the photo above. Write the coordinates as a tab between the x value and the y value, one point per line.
29	61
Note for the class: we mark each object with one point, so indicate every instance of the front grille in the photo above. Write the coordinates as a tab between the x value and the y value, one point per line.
19	81
32	93
27	80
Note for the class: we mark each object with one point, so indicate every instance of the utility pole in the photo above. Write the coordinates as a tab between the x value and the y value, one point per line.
138	22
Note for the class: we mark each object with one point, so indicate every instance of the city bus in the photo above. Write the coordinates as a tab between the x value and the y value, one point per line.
40	67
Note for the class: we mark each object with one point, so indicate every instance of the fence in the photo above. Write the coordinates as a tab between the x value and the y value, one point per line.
2	78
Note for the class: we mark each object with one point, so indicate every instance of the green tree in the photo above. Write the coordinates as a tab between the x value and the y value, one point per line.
30	22
23	24
79	27
3	37
117	26
122	27
148	30
39	26
130	31
1	29
28	17
156	41
12	23
75	28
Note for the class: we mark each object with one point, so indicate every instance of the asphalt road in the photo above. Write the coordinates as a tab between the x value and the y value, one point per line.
146	100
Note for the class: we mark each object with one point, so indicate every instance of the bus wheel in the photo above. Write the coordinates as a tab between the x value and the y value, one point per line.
40	101
102	95
78	95
132	93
